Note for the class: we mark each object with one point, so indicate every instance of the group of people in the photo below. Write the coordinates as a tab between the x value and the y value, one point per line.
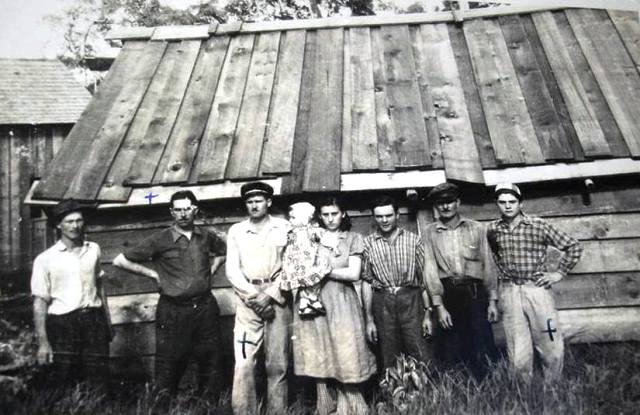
311	288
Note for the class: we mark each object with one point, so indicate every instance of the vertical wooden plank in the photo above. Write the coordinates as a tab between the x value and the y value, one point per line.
346	163
553	141
508	118
88	178
472	97
605	118
81	137
59	135
411	143
38	146
5	197
552	86
428	105
613	68
322	167
158	108
628	27
213	154
281	126
292	183
183	118
440	72
360	107
582	113
244	159
385	131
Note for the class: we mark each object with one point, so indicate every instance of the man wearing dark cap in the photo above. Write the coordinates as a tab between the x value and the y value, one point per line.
71	326
263	316
187	315
461	278
519	244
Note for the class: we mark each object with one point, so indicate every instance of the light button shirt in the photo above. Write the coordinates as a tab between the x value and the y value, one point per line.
256	254
66	280
458	249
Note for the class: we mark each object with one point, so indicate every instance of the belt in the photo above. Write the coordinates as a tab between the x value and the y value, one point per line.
259	281
187	301
393	290
461	281
517	281
84	310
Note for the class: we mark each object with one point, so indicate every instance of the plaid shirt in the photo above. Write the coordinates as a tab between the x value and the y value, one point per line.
394	262
522	251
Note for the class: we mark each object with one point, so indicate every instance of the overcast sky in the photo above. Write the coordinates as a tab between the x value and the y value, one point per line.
25	34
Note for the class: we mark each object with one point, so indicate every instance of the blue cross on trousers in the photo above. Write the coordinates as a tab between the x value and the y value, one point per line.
150	196
549	330
244	342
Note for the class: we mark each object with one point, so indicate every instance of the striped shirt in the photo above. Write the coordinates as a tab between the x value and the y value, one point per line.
393	262
520	251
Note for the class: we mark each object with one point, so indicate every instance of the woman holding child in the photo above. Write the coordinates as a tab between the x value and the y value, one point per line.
332	347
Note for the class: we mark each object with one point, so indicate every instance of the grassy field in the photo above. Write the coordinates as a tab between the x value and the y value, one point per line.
598	379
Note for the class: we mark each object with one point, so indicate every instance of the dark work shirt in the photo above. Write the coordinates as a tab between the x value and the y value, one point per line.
183	265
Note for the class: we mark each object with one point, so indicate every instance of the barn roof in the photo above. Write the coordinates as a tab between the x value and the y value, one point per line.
39	91
359	103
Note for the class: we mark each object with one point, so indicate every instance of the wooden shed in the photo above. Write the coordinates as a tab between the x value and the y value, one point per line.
39	102
546	98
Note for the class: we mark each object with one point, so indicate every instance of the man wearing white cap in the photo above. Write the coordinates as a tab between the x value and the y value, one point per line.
519	244
263	314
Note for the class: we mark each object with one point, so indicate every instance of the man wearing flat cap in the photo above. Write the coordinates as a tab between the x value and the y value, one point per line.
263	315
72	329
519	244
461	278
187	315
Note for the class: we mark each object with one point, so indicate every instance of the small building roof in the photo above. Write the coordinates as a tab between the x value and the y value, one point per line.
359	104
39	91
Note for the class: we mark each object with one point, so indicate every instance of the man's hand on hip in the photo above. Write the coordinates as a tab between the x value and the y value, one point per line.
545	279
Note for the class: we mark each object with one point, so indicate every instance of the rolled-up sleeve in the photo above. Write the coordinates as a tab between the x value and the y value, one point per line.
430	272
144	251
490	276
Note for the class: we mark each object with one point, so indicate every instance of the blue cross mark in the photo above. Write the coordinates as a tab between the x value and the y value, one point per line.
549	330
244	342
149	196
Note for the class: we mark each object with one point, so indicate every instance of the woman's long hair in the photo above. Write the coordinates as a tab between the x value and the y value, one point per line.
345	225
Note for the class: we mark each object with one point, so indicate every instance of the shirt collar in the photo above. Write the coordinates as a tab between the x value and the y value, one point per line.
521	218
441	226
176	234
267	225
60	246
378	235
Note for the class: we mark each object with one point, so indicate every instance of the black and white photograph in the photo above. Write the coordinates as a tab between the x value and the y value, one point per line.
319	207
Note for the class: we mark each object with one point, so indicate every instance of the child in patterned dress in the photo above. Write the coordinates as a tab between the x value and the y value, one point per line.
305	261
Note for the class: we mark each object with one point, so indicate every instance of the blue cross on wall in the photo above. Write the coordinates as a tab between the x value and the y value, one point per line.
149	196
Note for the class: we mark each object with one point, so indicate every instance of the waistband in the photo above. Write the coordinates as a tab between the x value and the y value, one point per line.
517	281
259	281
77	312
395	290
188	301
460	281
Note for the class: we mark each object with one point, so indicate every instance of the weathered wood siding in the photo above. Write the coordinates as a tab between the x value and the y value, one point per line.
311	104
599	300
25	154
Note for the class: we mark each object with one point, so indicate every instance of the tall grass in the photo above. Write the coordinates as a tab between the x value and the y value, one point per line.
598	379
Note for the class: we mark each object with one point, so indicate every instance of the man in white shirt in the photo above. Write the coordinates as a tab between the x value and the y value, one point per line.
71	325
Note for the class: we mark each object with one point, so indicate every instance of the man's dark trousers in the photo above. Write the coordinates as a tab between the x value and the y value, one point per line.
186	328
398	318
470	341
80	343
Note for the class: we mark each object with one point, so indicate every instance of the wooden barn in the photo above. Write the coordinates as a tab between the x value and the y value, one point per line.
543	97
39	102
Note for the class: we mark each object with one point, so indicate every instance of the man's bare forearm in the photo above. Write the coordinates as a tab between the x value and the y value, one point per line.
40	319
122	262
